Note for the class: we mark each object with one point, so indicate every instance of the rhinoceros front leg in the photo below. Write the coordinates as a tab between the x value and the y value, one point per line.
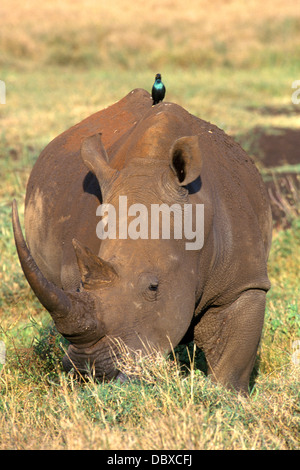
230	338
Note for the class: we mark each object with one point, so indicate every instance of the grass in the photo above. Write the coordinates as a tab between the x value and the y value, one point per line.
222	71
220	96
162	409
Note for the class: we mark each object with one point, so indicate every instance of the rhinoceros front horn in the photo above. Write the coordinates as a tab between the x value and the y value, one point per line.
53	298
73	313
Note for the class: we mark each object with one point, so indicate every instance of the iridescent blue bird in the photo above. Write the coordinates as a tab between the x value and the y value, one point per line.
158	89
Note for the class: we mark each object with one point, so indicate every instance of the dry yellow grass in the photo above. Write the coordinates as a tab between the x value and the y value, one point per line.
163	412
198	31
61	61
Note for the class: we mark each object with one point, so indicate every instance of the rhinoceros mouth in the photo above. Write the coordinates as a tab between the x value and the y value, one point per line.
96	362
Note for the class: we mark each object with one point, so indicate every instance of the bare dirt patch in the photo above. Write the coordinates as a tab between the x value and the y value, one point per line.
279	146
277	153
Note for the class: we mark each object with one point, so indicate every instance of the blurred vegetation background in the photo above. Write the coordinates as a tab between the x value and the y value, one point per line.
222	60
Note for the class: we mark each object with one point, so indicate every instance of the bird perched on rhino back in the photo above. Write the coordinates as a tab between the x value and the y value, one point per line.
158	90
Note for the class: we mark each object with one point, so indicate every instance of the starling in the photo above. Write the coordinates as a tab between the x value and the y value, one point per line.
158	89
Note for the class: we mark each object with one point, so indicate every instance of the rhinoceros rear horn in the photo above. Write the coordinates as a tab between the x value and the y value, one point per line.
186	159
93	270
95	158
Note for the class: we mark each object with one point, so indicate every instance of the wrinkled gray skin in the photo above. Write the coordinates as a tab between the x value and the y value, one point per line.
149	292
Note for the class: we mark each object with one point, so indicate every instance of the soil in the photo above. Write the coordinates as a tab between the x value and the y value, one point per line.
272	149
279	147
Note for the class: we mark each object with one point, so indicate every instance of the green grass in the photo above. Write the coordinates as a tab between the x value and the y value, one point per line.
227	97
161	409
225	73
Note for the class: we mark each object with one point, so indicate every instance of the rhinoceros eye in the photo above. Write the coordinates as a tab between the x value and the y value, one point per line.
152	291
149	284
153	286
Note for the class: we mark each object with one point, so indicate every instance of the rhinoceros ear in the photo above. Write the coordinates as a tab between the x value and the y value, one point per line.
186	159
94	156
93	270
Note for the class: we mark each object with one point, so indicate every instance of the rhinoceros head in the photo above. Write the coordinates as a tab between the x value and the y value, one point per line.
141	291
